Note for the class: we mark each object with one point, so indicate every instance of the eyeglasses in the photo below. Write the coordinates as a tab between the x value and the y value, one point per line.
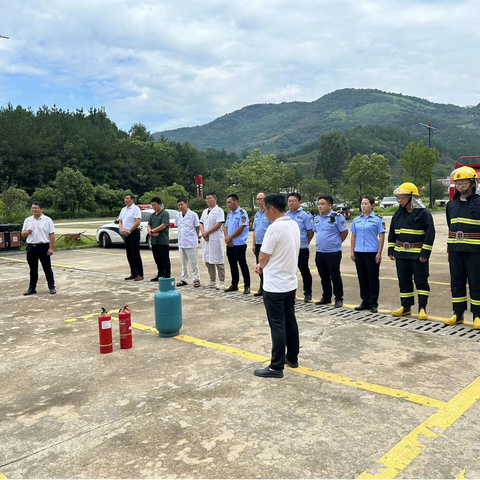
462	183
260	198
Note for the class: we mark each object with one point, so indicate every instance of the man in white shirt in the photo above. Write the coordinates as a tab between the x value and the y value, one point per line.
188	228
278	263
211	223
129	226
40	234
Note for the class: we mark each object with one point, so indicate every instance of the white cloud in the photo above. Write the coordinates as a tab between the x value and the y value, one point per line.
184	63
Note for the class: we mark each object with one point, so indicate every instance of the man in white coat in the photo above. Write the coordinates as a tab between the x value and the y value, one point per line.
211	223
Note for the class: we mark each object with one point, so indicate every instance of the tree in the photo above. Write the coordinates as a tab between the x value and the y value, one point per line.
45	195
417	162
312	188
176	191
73	190
366	175
259	173
439	190
139	131
332	156
14	205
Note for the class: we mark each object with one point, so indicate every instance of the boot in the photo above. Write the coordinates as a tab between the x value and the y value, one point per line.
401	312
422	314
476	323
454	319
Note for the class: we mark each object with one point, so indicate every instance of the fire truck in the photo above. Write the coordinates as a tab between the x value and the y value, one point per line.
473	162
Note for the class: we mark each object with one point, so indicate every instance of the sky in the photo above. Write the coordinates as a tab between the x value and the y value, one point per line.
171	64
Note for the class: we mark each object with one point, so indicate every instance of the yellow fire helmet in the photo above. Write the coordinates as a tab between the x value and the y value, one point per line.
406	188
463	173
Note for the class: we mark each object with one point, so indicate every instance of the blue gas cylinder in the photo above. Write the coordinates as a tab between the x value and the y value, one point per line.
168	308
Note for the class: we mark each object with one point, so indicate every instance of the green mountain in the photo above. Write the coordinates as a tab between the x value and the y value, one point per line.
286	127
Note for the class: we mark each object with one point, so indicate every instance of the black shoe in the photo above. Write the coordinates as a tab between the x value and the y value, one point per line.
361	307
338	303
53	291
374	310
30	291
291	364
258	294
246	291
231	288
324	301
131	277
268	372
154	279
307	298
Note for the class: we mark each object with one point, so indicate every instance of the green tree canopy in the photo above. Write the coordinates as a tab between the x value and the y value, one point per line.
366	175
418	162
73	190
332	156
311	188
13	205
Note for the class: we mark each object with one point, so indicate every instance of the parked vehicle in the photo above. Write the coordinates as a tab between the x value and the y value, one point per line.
389	202
473	162
109	234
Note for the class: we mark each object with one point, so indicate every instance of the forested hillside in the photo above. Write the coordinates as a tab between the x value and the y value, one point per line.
287	127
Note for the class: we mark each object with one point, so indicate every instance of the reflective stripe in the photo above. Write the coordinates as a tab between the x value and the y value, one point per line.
407	295
468	241
468	221
427	247
408	230
459	299
391	244
409	250
424	292
474	302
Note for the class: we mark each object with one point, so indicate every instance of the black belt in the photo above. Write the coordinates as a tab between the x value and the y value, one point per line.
37	244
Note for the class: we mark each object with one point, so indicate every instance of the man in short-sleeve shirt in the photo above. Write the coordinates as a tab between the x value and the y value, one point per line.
158	231
188	227
331	230
236	234
260	225
129	226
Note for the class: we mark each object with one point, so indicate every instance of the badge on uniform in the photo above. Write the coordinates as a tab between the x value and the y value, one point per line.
244	219
383	225
344	223
311	219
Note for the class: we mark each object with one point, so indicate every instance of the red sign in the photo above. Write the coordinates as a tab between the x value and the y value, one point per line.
198	185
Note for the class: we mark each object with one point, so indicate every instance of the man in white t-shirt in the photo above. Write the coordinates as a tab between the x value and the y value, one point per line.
278	262
40	234
188	228
211	223
129	226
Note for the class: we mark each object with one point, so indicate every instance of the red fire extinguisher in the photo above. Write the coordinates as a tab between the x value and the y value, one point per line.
125	322
105	332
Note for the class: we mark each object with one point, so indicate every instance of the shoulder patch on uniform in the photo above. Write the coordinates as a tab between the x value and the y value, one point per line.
311	219
244	219
383	225
344	223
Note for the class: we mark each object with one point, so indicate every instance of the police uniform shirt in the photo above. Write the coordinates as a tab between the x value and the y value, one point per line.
305	223
328	230
234	220
366	230
260	225
187	229
41	229
128	215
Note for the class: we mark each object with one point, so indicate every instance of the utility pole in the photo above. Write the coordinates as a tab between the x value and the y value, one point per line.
431	131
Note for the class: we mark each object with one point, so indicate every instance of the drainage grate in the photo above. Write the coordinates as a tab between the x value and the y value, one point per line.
461	332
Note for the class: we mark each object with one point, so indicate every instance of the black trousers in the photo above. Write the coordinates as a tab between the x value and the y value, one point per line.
283	327
258	246
161	255
303	257
368	271
237	255
34	254
328	265
463	266
406	270
132	245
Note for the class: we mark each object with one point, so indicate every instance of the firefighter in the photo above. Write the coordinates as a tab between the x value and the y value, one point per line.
410	242
463	219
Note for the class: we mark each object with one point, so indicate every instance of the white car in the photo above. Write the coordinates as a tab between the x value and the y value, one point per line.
109	234
389	202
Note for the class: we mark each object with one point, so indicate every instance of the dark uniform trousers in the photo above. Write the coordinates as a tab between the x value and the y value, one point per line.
328	266
406	268
368	271
237	255
132	245
283	327
34	254
465	265
258	246
161	255
303	257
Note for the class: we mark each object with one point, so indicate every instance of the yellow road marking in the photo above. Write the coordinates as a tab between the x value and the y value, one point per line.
409	448
2	476
144	257
53	264
462	474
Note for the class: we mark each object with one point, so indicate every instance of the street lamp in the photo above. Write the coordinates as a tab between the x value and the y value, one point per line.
431	131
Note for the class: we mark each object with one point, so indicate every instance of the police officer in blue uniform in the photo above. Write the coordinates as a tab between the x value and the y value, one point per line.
260	225
331	229
236	234
305	222
368	238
